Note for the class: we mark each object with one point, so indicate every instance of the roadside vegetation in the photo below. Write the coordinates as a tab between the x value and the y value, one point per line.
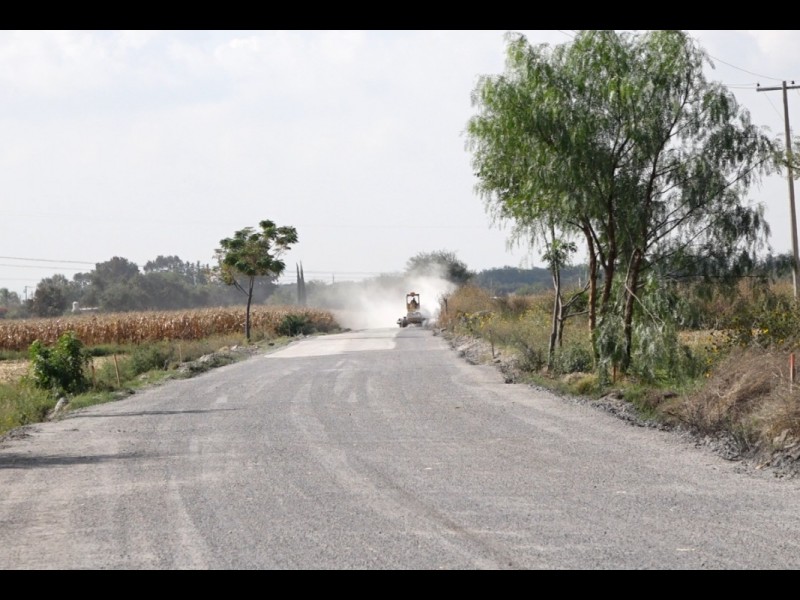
88	360
620	142
727	373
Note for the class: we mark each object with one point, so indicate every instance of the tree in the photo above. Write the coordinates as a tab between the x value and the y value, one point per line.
117	270
557	256
51	297
441	263
250	254
302	299
8	300
621	139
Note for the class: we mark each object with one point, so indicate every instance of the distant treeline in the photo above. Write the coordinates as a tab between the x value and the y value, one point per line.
169	283
512	280
119	285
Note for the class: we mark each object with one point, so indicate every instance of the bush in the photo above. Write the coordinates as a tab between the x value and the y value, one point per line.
60	368
573	359
292	325
151	357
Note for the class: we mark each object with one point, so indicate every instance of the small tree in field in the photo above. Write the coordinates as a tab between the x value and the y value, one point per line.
250	254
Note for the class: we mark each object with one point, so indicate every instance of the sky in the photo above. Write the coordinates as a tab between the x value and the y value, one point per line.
145	143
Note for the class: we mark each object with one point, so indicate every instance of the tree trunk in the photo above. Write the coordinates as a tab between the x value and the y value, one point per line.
592	280
609	264
592	288
556	314
631	281
247	312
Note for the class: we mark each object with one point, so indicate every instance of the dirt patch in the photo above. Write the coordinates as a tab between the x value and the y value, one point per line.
12	370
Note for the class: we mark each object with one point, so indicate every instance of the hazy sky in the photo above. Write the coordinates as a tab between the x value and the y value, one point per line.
146	143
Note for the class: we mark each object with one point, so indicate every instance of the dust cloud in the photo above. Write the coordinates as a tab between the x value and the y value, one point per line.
378	303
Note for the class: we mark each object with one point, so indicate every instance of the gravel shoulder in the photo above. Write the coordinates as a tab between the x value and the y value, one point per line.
783	464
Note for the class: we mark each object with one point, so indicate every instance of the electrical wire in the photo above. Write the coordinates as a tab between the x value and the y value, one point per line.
743	70
775	108
53	260
42	267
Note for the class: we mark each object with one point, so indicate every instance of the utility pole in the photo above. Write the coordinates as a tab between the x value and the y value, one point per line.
790	176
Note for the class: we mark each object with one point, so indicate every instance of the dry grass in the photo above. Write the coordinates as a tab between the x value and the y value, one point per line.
12	370
154	326
749	393
743	393
466	301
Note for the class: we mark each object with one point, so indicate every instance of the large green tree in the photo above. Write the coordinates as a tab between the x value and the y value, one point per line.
251	254
620	138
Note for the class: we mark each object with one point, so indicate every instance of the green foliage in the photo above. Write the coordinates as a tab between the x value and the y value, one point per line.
609	344
60	368
573	359
115	270
621	139
292	325
22	405
658	355
767	320
151	357
250	254
586	385
52	297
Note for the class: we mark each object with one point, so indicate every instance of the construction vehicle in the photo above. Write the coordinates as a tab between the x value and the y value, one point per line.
413	315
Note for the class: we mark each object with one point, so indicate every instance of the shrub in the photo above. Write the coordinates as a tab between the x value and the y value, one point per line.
293	324
60	368
573	359
150	357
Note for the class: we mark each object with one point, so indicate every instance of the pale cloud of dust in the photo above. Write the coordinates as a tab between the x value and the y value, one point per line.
378	303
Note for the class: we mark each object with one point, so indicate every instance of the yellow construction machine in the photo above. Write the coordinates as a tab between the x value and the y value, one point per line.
413	315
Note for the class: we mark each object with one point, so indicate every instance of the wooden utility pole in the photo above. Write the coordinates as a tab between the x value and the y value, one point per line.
790	176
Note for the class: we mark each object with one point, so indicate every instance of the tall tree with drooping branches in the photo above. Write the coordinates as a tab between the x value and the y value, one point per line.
622	139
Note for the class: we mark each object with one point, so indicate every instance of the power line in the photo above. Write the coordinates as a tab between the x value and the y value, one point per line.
55	260
41	267
790	177
743	70
772	104
31	280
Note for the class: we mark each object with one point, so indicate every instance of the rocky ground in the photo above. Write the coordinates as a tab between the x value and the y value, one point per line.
783	463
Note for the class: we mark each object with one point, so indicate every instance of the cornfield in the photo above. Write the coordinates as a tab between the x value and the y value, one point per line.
154	326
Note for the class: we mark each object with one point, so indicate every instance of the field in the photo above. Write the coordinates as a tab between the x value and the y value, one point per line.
155	326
